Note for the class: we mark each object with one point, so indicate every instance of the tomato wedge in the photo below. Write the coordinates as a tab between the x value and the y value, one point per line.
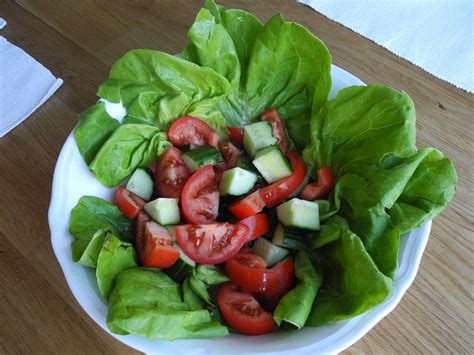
248	206
249	272
171	174
213	140
280	190
127	202
320	189
154	245
191	130
258	225
242	311
278	128
200	197
211	243
230	153
236	135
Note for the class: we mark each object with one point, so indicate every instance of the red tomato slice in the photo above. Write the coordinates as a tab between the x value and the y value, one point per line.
171	174
320	189
211	243
242	311
127	202
190	130
152	167
248	206
236	135
230	153
279	191
285	281
249	271
278	128
154	245
213	140
200	197
258	225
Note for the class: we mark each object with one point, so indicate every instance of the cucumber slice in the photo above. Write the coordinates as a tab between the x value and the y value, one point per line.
236	182
140	184
257	136
182	268
245	163
299	213
289	238
272	164
165	211
268	251
197	158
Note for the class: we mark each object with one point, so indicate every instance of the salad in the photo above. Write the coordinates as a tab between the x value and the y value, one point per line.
244	199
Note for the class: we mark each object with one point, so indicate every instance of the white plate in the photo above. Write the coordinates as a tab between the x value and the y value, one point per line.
72	179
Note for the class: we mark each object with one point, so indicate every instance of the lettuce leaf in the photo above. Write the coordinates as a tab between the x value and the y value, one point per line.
129	147
94	127
295	306
92	214
352	282
280	64
148	303
115	256
156	87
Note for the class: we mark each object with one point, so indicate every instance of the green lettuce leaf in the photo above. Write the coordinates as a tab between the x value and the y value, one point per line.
92	214
429	190
156	87
129	147
202	277
115	256
295	306
148	303
279	65
94	127
360	127
352	282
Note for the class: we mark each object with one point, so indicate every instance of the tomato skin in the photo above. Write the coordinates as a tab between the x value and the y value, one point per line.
248	206
154	244
213	140
230	153
236	135
280	190
171	173
211	243
128	203
258	225
200	197
320	189
278	128
250	272
242	312
190	130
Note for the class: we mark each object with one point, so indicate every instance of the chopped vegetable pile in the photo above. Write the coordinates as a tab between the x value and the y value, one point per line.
244	199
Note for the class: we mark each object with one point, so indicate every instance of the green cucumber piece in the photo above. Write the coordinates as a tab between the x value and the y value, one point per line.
272	164
299	213
236	181
197	158
182	268
270	252
140	184
165	211
257	136
245	163
290	238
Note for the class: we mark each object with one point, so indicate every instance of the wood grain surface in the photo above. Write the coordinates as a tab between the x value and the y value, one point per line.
78	41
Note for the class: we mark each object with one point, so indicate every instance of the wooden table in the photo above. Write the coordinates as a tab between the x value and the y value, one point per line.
78	41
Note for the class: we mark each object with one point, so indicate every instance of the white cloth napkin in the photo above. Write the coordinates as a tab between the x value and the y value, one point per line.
436	35
25	85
